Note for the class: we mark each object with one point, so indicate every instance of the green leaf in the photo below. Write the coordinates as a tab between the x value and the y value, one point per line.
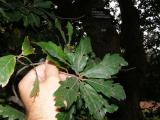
66	115
109	66
34	20
11	113
108	88
35	89
59	27
90	64
67	93
78	60
14	16
3	1
94	102
3	13
53	50
7	65
84	46
26	20
57	63
70	31
27	49
42	4
110	108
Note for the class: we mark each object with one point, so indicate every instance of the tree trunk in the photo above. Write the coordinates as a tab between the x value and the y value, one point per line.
131	41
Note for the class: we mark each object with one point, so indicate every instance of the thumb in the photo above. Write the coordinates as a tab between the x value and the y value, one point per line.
52	74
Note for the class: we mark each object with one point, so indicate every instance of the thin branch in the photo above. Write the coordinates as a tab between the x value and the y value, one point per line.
71	18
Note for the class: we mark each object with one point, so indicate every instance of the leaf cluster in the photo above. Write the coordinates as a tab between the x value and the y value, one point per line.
31	13
89	83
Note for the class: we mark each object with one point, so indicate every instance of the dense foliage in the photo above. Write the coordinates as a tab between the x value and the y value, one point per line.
33	22
89	86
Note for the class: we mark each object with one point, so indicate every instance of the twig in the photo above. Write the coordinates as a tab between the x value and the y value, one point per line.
71	18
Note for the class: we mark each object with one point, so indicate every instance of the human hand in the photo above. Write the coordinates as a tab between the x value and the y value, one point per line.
42	108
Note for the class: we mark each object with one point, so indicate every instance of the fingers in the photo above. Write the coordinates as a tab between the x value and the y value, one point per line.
30	77
50	70
52	75
63	76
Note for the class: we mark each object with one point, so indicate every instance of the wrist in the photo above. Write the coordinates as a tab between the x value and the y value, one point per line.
41	112
38	115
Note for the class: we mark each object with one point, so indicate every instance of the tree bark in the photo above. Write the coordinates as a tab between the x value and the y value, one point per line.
131	41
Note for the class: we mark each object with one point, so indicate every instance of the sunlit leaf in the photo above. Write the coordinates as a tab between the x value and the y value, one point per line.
67	93
11	113
27	49
7	65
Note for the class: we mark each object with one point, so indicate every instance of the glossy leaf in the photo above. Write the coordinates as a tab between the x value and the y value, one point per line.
53	50
70	31
94	102
27	49
11	113
7	65
108	88
109	66
67	93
